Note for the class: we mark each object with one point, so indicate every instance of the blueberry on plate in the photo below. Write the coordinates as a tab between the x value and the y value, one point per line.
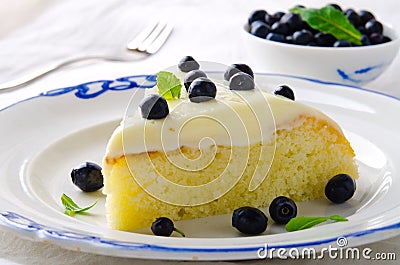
163	226
241	81
154	107
236	68
249	220
285	91
87	177
188	64
202	89
340	188
191	76
282	209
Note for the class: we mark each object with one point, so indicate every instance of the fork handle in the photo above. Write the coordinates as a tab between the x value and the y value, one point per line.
32	76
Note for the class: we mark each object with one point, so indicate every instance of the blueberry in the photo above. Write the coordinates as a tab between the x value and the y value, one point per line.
342	43
87	177
236	68
289	39
271	19
302	37
201	90
276	37
285	91
259	29
304	25
292	20
279	14
154	107
241	81
340	188
336	6
282	209
164	226
324	39
280	28
348	10
376	38
257	15
249	220
188	64
386	39
374	26
362	29
365	16
191	76
354	18
365	40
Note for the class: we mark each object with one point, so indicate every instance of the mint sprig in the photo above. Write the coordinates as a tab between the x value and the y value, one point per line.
71	208
330	20
169	86
305	222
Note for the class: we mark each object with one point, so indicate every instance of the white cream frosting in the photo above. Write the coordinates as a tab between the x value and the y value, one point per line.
233	118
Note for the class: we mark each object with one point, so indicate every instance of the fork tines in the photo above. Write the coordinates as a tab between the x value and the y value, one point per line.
151	38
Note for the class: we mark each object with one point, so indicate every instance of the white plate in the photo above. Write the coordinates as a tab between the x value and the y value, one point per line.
42	138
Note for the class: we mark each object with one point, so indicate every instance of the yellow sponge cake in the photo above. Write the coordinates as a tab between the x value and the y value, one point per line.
238	147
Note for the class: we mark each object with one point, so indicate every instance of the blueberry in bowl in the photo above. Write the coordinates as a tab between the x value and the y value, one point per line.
330	43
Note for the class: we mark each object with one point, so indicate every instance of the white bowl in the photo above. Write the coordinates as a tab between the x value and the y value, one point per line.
350	65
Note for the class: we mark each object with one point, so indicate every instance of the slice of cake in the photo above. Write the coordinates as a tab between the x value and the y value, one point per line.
215	148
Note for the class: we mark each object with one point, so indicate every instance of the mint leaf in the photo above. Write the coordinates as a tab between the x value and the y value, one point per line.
305	222
71	208
68	202
337	218
169	86
330	20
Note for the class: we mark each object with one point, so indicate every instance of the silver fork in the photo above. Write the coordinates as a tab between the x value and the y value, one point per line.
148	42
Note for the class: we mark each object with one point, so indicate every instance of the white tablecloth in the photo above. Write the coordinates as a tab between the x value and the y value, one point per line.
34	32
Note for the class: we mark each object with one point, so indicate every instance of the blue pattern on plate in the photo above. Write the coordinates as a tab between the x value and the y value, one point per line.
17	221
96	88
91	90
